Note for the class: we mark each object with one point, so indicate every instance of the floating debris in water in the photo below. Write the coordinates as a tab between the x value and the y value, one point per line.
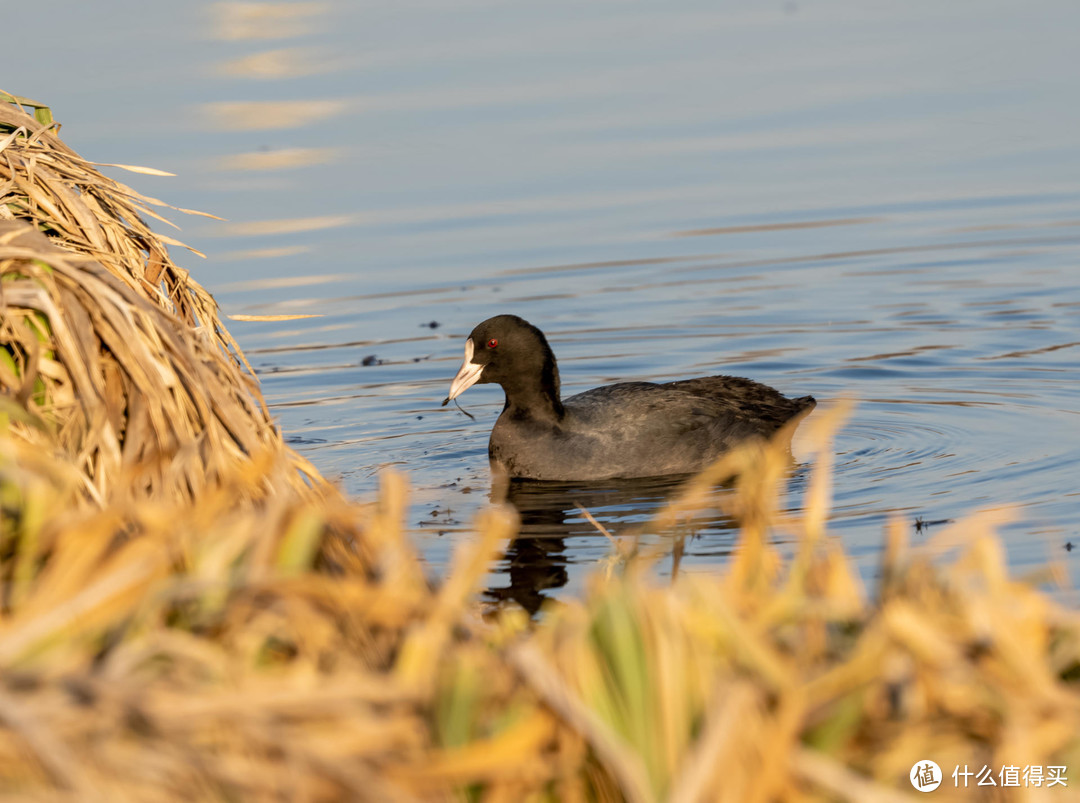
921	524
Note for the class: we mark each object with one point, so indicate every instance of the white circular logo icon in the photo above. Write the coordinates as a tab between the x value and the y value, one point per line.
925	775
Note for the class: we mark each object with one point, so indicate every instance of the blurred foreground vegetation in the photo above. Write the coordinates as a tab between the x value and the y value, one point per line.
189	612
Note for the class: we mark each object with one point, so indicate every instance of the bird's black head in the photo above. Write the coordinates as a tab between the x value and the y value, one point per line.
515	354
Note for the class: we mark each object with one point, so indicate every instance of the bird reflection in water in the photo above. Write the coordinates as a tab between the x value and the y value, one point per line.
536	561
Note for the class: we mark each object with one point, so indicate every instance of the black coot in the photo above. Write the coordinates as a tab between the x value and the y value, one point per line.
630	429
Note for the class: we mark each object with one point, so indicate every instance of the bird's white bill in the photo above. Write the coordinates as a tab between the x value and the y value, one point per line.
469	374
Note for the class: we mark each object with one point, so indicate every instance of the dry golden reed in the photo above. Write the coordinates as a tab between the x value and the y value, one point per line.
188	612
116	355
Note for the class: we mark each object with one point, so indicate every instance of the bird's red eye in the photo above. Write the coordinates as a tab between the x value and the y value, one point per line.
492	343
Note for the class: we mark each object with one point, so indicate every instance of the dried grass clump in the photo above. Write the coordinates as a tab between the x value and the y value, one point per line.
115	355
191	651
197	652
45	183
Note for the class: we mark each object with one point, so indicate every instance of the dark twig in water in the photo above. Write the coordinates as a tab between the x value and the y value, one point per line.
921	525
446	401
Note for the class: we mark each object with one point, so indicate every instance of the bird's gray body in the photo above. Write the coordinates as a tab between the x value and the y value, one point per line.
640	429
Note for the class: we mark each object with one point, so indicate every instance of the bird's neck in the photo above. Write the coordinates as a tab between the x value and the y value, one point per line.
535	395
